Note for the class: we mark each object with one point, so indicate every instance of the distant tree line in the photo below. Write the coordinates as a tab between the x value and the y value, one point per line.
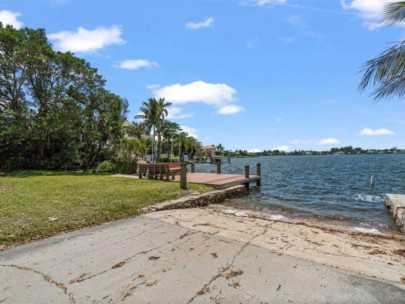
55	112
341	150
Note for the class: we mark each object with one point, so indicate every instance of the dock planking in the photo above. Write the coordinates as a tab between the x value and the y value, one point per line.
220	181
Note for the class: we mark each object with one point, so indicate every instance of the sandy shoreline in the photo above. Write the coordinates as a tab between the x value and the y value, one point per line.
376	255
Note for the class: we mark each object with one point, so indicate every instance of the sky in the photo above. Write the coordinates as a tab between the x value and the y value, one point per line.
249	74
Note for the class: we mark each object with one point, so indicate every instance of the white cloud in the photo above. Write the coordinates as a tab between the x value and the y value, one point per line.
87	41
371	132
209	22
190	131
279	120
255	150
217	94
369	10
136	64
266	2
328	141
177	113
282	148
230	109
10	18
153	87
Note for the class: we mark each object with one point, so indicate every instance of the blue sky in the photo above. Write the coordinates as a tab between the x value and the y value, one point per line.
250	74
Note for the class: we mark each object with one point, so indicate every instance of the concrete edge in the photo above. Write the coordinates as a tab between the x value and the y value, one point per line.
395	203
200	200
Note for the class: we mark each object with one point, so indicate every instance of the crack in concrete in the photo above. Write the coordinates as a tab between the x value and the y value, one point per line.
225	268
82	278
46	278
130	289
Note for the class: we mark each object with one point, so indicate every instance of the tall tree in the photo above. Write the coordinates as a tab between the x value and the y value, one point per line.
170	129
54	110
387	72
153	112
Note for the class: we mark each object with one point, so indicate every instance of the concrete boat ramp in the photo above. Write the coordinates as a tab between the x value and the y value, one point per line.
148	260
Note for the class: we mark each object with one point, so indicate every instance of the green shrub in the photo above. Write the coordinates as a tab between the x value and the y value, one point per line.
107	166
126	167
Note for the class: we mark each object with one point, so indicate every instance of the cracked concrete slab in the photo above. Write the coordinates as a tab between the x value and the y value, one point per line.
148	260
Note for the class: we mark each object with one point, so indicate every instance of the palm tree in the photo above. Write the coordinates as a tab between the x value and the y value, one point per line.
134	129
169	131
191	146
153	113
387	71
181	138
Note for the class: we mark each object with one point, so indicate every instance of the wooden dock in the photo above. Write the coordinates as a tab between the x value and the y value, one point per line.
219	181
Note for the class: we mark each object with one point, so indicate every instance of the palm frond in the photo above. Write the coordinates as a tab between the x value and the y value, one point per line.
394	12
387	72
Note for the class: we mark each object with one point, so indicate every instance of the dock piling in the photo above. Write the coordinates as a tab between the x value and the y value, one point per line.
192	168
247	171
259	173
218	168
183	177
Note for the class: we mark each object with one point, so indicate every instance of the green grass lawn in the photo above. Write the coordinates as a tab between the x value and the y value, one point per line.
29	198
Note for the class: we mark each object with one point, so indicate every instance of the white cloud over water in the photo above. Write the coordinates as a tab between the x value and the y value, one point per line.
282	148
10	18
371	132
328	141
135	64
87	41
209	22
255	150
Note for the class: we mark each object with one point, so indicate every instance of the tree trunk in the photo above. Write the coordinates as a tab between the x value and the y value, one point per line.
153	145
171	150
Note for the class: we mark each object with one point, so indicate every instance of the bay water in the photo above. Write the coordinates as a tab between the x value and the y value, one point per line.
333	189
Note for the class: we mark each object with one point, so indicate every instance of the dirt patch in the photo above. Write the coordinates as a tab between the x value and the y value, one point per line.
377	251
232	273
185	234
120	264
214	254
400	252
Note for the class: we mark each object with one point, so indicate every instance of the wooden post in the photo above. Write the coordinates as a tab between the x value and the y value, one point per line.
192	168
218	168
246	171
167	172
259	172
183	177
139	172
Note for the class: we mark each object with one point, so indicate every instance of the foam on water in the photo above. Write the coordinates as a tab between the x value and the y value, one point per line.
277	217
367	230
368	198
241	213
